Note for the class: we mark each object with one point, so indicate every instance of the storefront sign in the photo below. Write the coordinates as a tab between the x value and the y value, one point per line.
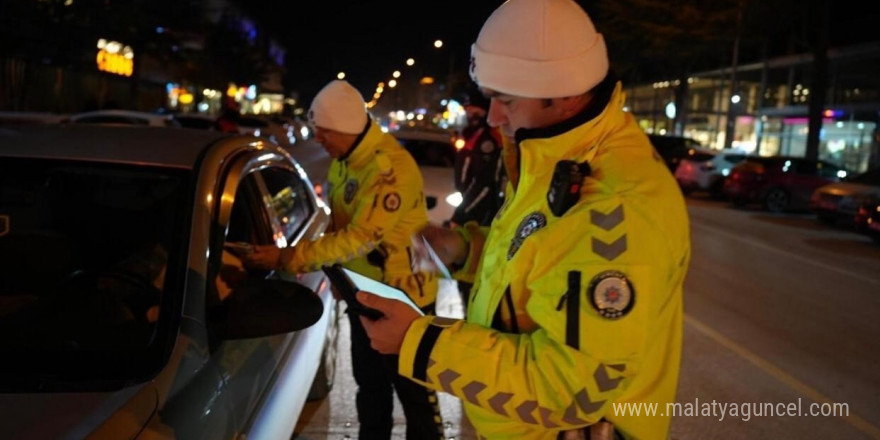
114	57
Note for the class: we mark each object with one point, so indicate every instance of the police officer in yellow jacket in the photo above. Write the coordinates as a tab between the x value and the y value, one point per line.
577	303
375	194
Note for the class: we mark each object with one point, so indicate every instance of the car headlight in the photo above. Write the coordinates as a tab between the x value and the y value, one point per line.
454	199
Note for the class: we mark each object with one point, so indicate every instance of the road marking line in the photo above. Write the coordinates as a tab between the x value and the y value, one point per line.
788	254
780	375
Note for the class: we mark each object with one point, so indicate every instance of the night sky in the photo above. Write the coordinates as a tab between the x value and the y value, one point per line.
368	39
363	39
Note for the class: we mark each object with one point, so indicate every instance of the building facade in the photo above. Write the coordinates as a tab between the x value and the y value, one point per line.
768	105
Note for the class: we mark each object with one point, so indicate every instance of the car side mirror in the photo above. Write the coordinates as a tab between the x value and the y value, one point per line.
267	307
430	202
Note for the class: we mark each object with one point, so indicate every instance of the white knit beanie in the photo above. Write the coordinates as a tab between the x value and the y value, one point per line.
539	49
339	107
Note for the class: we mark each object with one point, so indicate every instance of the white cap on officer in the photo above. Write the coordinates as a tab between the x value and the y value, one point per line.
539	49
339	107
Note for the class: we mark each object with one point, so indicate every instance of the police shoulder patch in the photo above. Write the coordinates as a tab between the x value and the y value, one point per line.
612	294
391	202
351	188
527	226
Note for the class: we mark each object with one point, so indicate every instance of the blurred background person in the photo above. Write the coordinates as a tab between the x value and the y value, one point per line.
479	171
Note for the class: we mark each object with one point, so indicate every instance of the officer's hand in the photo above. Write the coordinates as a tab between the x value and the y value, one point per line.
447	243
264	257
387	333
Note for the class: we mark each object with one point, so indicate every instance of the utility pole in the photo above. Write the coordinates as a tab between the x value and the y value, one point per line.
730	130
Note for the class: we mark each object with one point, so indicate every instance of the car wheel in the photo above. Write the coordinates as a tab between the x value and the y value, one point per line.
326	374
777	200
716	190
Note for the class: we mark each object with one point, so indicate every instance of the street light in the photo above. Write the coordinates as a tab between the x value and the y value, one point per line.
438	44
410	61
396	74
392	84
340	75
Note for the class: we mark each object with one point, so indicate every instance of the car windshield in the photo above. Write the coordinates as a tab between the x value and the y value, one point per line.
88	256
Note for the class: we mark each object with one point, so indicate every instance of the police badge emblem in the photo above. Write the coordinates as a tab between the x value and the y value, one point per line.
391	202
611	294
351	187
527	226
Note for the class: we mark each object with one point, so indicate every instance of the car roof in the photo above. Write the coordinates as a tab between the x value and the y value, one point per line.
126	113
32	117
194	116
179	147
425	135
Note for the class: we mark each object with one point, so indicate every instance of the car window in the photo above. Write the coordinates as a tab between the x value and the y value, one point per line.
430	153
88	255
290	199
734	158
699	156
827	170
248	223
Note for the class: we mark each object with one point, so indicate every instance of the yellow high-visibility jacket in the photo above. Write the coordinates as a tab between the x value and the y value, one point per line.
571	314
377	202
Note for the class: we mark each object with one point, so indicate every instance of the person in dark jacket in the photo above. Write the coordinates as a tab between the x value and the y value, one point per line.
479	171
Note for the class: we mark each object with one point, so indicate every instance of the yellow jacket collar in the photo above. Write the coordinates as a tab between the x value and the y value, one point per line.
362	151
576	138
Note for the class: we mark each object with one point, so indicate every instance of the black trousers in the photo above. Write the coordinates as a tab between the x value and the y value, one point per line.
377	380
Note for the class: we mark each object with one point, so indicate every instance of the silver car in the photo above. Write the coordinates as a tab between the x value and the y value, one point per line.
839	202
125	311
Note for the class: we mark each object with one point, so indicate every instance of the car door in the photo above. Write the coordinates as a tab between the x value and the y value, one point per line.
805	179
272	205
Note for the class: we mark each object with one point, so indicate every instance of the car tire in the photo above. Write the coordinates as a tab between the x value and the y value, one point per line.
324	378
777	200
716	190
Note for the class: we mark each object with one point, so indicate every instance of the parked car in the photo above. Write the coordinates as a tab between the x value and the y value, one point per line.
780	183
839	202
434	152
27	118
124	117
705	170
197	121
300	130
673	148
124	310
262	127
867	219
